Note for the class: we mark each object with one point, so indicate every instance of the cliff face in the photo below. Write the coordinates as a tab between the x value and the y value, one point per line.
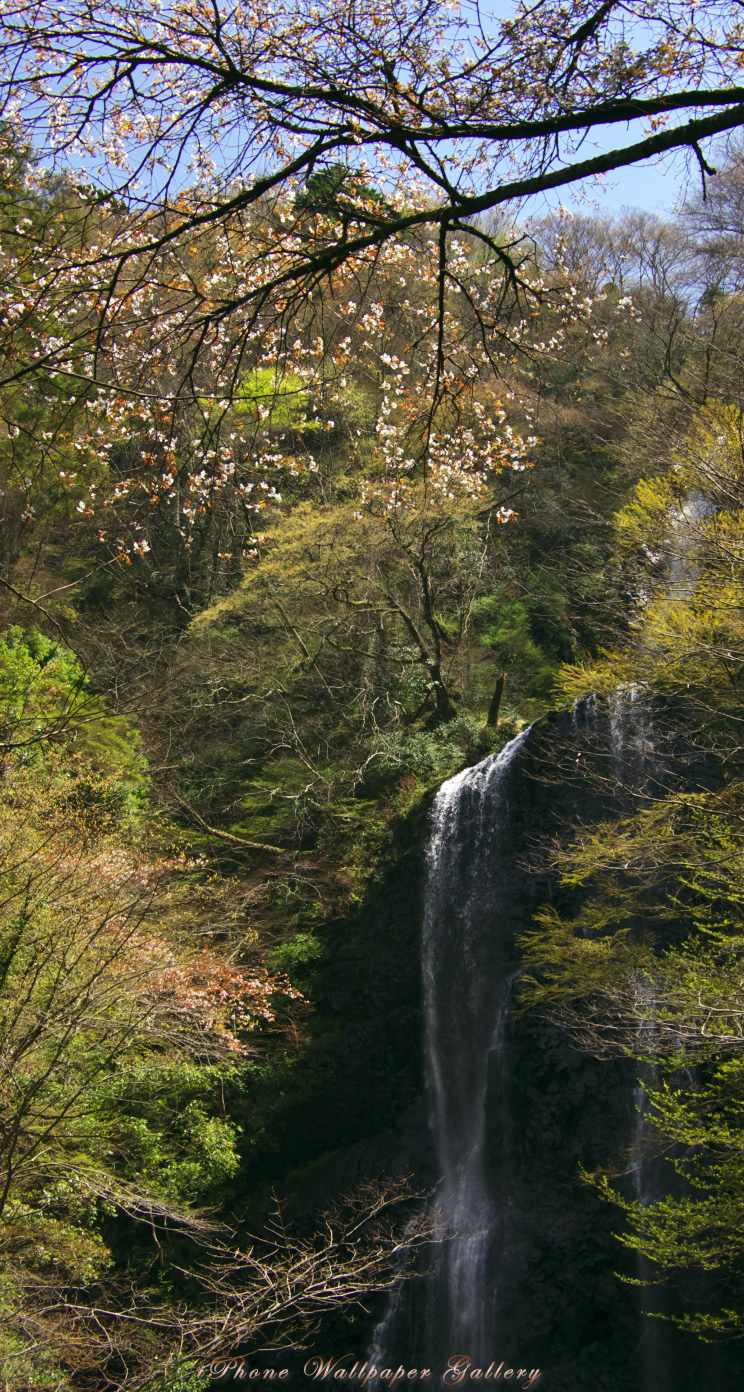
539	1264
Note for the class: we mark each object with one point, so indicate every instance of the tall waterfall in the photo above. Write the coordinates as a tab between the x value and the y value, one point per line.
468	968
465	1006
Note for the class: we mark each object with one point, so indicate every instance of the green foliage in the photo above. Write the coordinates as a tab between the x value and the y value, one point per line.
700	1126
505	626
280	402
429	753
25	1366
159	1116
186	1378
684	533
119	1051
652	962
46	705
338	191
297	955
42	689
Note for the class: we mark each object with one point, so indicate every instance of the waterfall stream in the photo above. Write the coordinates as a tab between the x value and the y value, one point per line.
465	1007
468	968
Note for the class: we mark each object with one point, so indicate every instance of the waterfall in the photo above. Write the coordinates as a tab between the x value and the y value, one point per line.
468	968
465	1009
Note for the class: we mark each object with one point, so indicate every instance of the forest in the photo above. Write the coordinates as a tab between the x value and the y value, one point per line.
329	467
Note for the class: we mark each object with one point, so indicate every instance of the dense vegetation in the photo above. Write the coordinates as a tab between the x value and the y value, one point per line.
210	734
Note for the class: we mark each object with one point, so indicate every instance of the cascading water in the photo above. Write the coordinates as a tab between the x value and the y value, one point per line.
468	968
465	1008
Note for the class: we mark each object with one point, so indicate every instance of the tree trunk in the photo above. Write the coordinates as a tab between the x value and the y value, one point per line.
445	709
493	709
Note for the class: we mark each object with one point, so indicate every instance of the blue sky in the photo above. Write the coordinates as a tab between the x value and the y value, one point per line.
657	187
648	185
